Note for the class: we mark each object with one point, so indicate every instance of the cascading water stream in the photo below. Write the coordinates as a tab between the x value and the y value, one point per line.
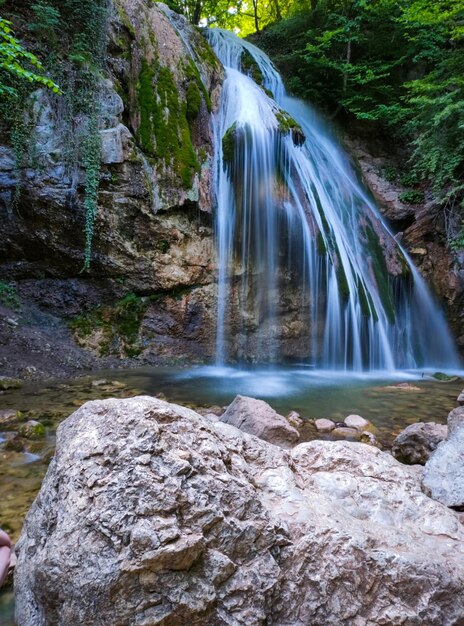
296	230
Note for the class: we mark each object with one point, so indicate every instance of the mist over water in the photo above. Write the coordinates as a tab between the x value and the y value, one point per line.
292	217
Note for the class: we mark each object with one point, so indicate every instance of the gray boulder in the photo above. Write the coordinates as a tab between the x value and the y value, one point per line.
152	515
256	417
416	442
455	420
443	477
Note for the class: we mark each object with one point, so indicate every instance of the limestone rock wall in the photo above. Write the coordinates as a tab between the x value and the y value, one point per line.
153	232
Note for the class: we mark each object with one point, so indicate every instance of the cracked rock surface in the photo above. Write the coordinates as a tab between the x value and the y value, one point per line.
151	514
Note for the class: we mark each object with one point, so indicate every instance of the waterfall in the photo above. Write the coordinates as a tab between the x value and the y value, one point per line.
307	266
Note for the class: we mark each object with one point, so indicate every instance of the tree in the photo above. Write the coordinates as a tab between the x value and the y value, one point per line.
17	64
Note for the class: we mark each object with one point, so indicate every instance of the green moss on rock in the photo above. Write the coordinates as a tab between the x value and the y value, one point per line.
164	131
381	274
228	145
286	124
193	97
120	321
250	67
192	73
32	430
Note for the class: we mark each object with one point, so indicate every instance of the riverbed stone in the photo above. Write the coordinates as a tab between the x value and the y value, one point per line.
345	432
9	419
32	429
416	442
443	476
461	397
295	419
149	514
9	383
324	425
257	418
455	419
357	422
369	438
403	387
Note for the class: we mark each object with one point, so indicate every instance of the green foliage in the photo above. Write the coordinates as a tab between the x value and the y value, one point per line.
47	20
17	64
9	296
70	35
91	161
412	197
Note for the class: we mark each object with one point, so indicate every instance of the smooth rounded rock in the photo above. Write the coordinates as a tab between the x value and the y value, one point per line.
346	433
324	425
356	421
32	430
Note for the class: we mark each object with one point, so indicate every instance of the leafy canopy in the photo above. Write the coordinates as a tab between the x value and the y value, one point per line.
17	64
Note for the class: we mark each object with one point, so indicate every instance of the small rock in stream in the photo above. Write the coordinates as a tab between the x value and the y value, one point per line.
324	425
357	422
295	419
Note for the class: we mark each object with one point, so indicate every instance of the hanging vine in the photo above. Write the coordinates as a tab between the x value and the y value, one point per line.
70	38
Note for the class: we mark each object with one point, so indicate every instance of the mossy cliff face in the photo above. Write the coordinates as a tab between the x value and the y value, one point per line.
153	231
168	79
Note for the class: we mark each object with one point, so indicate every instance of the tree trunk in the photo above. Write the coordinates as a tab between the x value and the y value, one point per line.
255	13
197	13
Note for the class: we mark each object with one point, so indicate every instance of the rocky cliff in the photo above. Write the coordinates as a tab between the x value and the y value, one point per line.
421	227
149	290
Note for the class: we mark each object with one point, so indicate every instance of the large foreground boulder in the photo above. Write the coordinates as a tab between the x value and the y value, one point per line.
416	442
256	417
153	515
444	472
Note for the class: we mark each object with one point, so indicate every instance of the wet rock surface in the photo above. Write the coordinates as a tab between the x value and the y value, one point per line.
357	422
417	442
150	514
